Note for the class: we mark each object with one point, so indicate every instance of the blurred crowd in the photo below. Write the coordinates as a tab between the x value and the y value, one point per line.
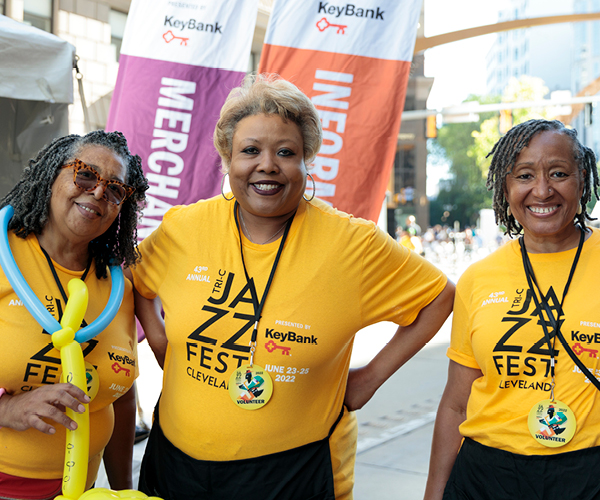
443	244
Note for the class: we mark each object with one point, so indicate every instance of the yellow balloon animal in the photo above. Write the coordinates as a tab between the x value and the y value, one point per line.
78	441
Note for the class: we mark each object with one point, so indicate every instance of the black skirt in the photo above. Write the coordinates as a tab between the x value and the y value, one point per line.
303	473
484	473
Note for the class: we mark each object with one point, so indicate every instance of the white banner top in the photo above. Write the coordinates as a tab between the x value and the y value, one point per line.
367	22
174	31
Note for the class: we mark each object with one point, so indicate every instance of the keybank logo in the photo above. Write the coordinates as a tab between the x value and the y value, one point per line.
349	10
193	25
323	24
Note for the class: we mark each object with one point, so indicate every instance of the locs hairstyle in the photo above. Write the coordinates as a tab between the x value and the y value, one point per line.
31	196
505	152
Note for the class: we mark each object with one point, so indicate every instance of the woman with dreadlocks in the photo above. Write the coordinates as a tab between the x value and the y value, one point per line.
524	348
75	212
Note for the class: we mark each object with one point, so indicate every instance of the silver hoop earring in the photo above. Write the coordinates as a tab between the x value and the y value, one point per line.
222	183
314	189
508	212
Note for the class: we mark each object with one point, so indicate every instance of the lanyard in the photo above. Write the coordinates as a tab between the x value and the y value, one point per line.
555	322
60	287
258	306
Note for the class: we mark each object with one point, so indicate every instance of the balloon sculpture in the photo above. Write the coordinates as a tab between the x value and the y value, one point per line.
67	337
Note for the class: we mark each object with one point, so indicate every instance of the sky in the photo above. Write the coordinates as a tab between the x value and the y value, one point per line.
458	67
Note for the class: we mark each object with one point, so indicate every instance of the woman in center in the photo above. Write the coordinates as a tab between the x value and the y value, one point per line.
263	290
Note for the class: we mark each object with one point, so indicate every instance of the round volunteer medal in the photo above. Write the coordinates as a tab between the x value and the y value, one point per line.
250	387
552	423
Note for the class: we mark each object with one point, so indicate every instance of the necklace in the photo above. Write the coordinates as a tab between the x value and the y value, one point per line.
250	237
55	275
551	422
250	385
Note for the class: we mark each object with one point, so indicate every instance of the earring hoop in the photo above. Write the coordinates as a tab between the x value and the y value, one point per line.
222	184
579	209
314	189
508	212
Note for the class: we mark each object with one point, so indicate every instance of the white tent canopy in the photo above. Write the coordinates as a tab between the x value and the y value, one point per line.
36	65
36	87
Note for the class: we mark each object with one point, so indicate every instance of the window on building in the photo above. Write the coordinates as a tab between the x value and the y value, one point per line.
516	72
516	53
38	13
526	68
405	174
410	103
117	22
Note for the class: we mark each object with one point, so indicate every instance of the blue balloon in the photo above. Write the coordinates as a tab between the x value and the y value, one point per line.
33	304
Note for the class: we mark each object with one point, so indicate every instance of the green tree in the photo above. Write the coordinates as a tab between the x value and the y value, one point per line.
464	193
526	88
465	146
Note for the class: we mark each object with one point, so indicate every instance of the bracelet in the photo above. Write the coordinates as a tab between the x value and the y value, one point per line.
2	393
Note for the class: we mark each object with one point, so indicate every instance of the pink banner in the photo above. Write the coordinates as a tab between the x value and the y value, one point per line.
178	63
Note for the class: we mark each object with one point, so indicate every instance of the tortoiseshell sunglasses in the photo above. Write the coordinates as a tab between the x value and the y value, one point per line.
87	178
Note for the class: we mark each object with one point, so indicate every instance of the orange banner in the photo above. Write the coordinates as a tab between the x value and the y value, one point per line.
353	61
360	102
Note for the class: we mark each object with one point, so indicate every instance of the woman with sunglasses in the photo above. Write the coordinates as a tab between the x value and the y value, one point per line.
75	212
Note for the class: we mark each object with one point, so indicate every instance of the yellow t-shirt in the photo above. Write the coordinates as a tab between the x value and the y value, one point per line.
28	361
496	329
336	274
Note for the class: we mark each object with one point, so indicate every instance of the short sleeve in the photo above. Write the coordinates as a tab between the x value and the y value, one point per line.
461	349
396	282
150	272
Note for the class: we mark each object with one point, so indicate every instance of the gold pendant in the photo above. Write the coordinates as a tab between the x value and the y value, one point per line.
250	387
552	423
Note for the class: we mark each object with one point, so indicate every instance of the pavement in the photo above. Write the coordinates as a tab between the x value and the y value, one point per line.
395	427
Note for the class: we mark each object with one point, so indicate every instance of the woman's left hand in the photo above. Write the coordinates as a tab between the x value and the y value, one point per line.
360	388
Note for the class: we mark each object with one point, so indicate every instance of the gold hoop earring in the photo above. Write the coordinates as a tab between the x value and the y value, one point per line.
508	212
579	209
314	189
222	184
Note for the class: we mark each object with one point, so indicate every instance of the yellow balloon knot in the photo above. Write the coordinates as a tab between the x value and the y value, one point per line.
62	338
106	494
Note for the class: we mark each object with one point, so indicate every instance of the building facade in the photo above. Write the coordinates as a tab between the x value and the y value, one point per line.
585	74
544	51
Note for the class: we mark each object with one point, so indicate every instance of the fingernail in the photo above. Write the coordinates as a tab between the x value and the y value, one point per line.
73	425
52	430
81	408
86	398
